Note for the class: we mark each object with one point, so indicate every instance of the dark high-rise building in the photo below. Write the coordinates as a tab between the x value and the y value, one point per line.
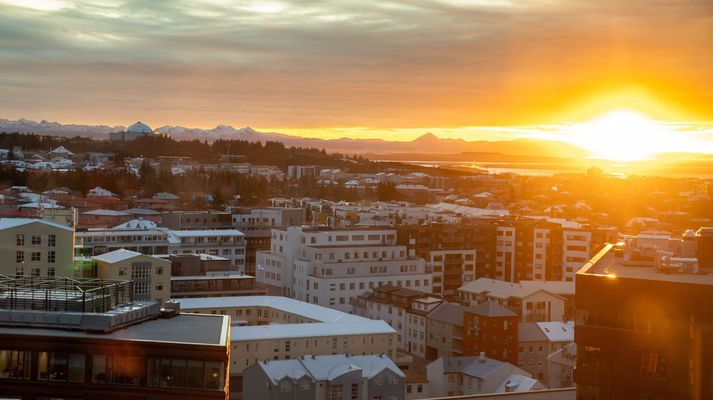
644	330
704	247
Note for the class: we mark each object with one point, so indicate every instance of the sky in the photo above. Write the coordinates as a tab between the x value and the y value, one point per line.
474	69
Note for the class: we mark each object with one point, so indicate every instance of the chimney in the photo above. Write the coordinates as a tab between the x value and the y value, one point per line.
482	357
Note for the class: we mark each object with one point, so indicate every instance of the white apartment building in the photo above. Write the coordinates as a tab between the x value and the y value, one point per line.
278	328
505	253
404	309
576	248
330	267
530	301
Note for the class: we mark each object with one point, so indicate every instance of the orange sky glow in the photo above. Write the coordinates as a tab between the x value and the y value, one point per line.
470	69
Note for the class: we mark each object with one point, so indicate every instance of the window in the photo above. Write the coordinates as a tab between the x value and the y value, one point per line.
35	272
36	256
355	391
334	392
159	270
305	384
15	364
52	240
36	239
19	271
20	239
285	386
50	272
19	256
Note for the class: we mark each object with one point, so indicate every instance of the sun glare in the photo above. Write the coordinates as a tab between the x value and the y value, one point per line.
622	135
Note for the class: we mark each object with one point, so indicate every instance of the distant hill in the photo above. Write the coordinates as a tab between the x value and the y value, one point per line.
425	144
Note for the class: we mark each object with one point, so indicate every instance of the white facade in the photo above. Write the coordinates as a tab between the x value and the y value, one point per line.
505	252
330	267
530	301
576	247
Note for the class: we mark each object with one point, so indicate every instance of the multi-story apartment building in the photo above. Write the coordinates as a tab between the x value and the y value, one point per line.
472	375
560	367
274	328
151	276
227	243
455	253
89	339
492	329
330	267
444	331
146	238
328	377
643	327
143	237
35	247
544	249
404	309
536	341
530	301
257	224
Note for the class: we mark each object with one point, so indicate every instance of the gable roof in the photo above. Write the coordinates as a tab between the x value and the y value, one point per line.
117	256
491	309
450	313
8	223
327	367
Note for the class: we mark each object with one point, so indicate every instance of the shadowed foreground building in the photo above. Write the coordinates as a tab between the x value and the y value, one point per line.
643	330
327	377
87	339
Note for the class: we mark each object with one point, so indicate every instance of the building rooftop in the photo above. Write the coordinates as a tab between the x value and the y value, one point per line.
117	256
324	321
491	309
608	264
206	232
308	330
296	307
7	223
503	289
108	213
183	328
327	367
451	313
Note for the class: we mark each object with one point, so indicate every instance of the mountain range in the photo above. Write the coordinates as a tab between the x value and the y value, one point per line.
425	144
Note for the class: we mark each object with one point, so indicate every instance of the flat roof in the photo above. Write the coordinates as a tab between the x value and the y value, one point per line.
197	329
306	310
308	330
328	322
607	264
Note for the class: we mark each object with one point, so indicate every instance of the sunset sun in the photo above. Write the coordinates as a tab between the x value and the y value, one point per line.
622	135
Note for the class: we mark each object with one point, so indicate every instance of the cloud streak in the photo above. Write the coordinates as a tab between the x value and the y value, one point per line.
321	63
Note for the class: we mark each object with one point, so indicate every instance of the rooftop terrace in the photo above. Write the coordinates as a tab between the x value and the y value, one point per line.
608	263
